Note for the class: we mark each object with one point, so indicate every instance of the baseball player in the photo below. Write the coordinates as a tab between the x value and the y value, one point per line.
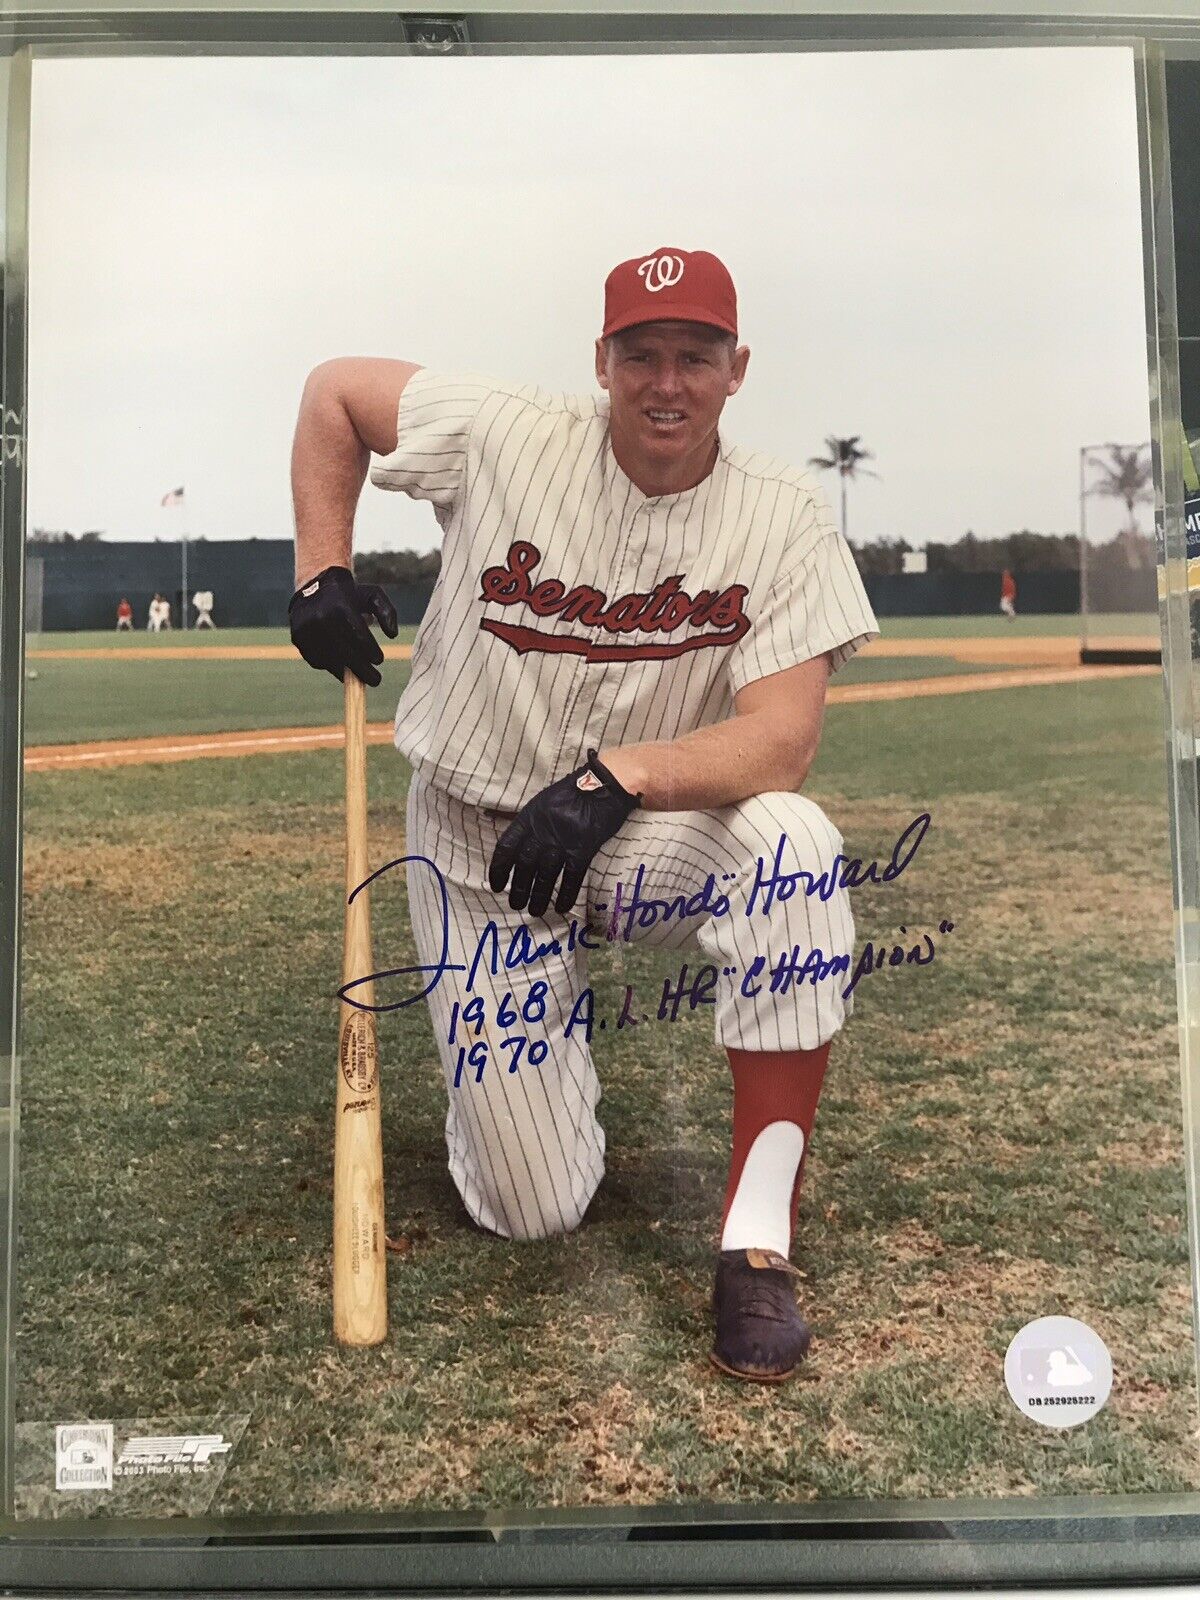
1008	594
203	602
617	692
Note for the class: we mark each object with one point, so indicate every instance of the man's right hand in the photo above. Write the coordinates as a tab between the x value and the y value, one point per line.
329	616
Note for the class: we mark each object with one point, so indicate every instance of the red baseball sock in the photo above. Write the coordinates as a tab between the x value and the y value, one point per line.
775	1094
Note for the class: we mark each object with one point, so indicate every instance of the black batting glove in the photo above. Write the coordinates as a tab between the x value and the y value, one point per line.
329	616
558	833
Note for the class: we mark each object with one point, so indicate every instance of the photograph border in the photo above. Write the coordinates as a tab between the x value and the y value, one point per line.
1053	1539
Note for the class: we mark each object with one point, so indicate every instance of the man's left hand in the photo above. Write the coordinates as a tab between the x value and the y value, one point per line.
556	833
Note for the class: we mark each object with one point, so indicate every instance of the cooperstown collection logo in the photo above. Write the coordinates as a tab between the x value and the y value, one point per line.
661	272
712	618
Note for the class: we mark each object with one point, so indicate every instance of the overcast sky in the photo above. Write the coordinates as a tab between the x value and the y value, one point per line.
937	250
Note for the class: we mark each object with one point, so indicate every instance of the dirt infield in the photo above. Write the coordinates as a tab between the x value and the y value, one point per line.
192	747
1020	651
972	682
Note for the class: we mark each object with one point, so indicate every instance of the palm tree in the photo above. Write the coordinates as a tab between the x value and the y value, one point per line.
845	458
1128	476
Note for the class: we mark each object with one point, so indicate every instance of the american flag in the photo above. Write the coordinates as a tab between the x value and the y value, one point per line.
174	498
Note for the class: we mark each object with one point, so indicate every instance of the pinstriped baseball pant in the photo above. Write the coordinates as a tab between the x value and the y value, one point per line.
526	1150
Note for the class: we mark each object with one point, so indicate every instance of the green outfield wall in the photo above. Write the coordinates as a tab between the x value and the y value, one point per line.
251	582
966	594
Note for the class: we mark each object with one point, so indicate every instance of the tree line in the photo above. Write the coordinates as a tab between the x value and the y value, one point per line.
1128	550
1019	552
62	536
399	567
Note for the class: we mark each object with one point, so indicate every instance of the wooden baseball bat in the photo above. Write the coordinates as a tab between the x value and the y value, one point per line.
359	1242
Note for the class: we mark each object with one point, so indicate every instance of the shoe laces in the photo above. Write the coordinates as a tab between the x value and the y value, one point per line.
772	1301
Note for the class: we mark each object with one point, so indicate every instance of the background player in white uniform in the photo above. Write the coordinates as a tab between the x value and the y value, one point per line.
203	602
617	692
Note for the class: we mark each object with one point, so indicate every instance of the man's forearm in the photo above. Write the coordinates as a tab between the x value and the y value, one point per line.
329	468
715	766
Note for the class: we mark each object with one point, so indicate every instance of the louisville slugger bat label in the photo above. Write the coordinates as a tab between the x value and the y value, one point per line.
359	1058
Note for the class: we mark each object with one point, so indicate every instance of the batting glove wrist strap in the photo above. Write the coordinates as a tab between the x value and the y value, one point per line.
329	619
556	835
609	782
325	579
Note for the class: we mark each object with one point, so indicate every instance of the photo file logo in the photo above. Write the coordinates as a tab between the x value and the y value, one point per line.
184	1450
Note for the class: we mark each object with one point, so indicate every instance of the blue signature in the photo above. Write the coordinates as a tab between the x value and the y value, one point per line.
770	884
521	950
682	995
496	949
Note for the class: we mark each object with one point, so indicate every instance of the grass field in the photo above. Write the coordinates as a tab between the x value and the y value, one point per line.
1065	625
999	1140
73	699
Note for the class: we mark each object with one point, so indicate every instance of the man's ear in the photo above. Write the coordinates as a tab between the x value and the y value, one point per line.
741	360
601	364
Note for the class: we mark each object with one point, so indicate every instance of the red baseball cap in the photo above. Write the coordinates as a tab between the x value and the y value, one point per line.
670	286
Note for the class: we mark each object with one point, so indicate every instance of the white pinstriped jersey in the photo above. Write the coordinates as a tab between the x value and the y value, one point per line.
572	610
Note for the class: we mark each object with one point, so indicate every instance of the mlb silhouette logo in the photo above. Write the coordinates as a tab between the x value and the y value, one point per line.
1054	1367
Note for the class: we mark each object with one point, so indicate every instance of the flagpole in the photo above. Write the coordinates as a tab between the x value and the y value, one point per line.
173	498
1083	573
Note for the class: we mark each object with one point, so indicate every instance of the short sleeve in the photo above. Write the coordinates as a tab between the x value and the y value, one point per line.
816	604
434	423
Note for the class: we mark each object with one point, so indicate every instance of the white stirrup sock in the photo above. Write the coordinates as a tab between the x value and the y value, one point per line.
760	1217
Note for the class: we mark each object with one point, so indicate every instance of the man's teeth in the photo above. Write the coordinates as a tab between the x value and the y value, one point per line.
667	416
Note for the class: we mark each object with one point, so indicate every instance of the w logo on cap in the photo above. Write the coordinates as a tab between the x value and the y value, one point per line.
661	272
651	289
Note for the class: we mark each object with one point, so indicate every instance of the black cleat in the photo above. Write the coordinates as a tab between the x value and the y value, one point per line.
760	1332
